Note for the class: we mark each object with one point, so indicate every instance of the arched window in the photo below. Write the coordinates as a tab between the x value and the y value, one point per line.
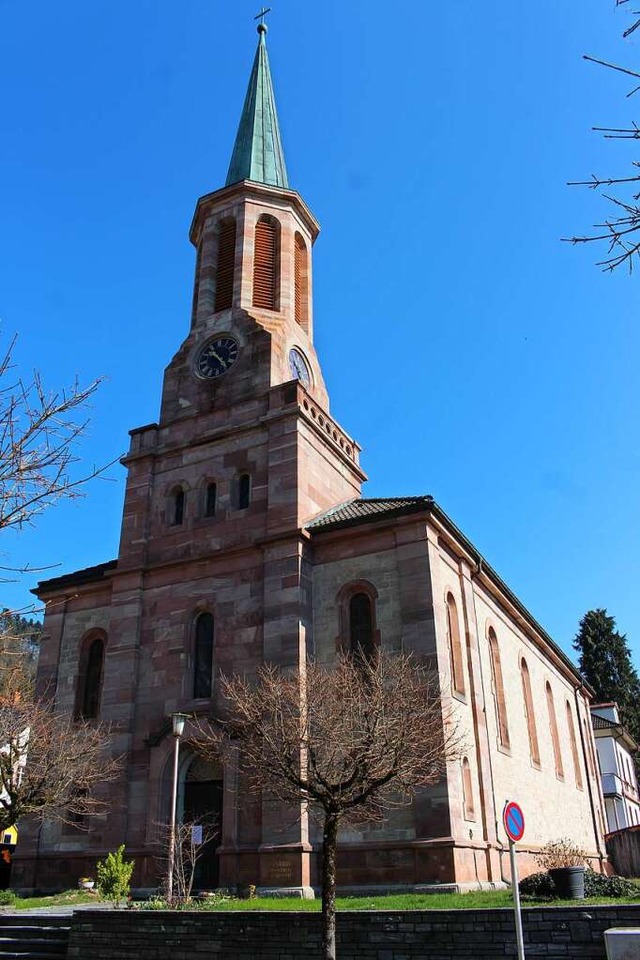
244	491
266	263
361	626
203	657
534	749
89	688
498	690
225	265
210	499
467	790
177	507
553	729
301	282
455	647
356	604
574	746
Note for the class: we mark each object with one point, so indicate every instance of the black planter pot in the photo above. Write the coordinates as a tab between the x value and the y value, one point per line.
569	882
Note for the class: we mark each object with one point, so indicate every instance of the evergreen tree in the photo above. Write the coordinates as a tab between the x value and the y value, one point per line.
605	662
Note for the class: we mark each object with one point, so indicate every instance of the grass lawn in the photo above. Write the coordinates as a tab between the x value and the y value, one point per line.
70	898
476	900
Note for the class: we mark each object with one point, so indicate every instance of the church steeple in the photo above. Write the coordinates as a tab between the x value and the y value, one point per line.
258	154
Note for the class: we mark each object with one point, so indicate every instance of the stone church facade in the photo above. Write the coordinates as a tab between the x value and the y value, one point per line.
245	538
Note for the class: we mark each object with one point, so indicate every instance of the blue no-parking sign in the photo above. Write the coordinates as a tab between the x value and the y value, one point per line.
513	819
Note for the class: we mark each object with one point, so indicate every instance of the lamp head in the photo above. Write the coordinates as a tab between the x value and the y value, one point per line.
178	720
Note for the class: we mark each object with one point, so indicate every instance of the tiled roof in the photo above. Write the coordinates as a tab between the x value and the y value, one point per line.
77	578
360	511
601	723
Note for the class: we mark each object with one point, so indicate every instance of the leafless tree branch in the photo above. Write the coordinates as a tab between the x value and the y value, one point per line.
39	431
617	230
348	742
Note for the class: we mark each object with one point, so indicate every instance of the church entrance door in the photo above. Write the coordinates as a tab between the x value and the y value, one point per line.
203	805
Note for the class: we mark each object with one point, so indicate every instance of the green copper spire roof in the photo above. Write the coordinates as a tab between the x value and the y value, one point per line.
258	153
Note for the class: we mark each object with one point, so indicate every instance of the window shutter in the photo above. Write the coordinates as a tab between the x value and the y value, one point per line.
265	264
301	282
225	267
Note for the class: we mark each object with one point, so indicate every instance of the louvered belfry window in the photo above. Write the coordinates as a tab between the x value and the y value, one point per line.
225	265
301	282
266	264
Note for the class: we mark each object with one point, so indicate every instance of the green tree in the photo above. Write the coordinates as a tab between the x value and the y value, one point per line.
19	647
605	662
114	876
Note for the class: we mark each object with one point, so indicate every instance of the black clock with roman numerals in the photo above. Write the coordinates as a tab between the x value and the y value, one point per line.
216	357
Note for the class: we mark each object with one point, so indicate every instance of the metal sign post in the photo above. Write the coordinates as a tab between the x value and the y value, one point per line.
513	820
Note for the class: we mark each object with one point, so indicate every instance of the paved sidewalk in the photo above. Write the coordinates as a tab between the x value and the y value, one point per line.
59	911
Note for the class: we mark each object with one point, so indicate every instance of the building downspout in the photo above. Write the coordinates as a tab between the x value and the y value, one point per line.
595	773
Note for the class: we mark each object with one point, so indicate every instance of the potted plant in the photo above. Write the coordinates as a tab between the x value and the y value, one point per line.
565	862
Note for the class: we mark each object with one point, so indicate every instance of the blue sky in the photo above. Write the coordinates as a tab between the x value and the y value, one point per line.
471	353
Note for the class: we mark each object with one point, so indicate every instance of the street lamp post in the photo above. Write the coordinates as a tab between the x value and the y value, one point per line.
178	722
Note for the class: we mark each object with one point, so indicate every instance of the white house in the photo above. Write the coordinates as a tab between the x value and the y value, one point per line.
615	748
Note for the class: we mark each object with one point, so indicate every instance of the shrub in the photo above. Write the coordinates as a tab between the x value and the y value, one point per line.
597	885
560	853
7	898
114	876
538	886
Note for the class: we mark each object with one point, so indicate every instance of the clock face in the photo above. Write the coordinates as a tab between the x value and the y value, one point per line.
298	367
216	357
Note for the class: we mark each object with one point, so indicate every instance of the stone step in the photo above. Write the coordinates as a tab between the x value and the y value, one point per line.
29	939
44	944
45	933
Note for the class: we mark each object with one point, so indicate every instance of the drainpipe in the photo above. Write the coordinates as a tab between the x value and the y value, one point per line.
586	770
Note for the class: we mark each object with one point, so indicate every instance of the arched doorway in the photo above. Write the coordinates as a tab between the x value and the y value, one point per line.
202	794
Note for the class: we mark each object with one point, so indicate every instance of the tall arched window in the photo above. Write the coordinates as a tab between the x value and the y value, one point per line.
553	729
177	507
534	749
467	790
574	746
455	646
89	688
225	265
356	603
498	690
361	625
266	263
244	491
203	657
301	282
210	499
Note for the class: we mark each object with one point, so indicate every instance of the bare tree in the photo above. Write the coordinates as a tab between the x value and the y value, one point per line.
39	431
191	839
348	742
51	767
620	231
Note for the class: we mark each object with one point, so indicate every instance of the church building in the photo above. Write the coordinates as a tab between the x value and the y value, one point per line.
246	539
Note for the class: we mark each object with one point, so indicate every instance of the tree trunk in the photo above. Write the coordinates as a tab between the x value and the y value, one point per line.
329	857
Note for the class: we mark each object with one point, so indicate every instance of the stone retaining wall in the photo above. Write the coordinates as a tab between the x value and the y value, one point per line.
555	933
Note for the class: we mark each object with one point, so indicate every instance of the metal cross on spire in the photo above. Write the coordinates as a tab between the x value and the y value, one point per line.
262	15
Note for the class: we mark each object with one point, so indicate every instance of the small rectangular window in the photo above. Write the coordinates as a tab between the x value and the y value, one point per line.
211	500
